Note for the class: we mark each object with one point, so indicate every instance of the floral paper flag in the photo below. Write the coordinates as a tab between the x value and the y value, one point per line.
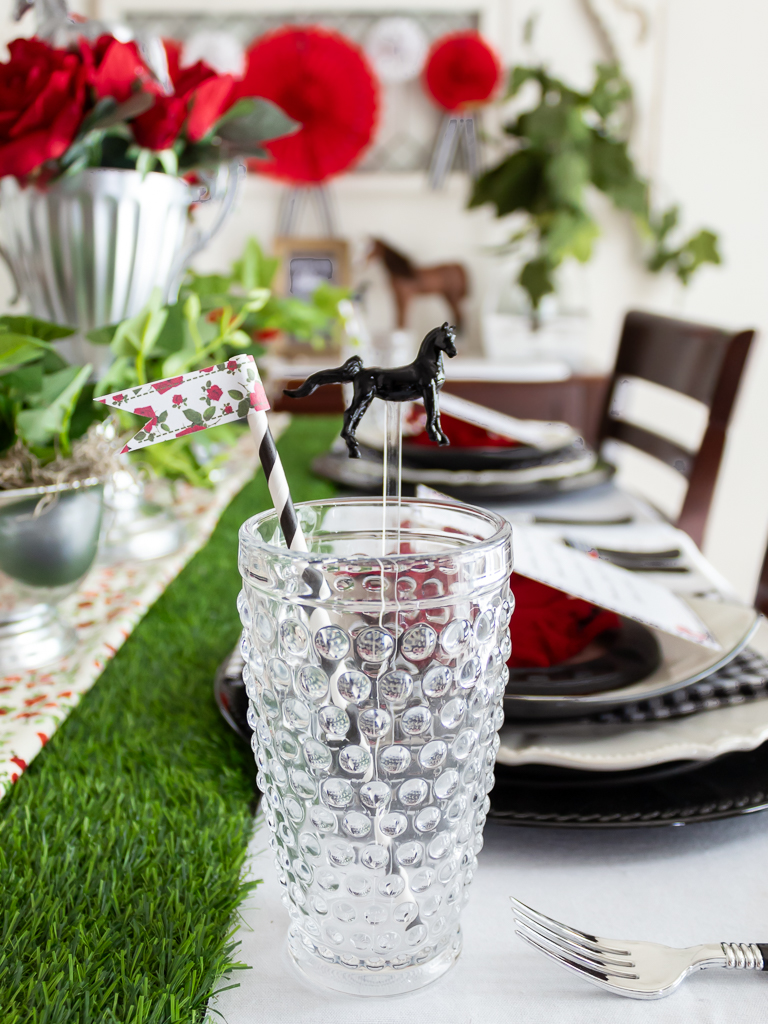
198	400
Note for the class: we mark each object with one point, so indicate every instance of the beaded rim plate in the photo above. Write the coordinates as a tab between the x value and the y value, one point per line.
682	664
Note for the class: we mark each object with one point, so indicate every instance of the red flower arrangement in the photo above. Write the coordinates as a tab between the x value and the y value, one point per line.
461	71
42	97
322	80
58	108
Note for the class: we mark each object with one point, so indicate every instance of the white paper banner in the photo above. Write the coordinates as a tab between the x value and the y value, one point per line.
541	558
195	401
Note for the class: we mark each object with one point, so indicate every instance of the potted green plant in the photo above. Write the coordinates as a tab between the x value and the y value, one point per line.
568	143
53	459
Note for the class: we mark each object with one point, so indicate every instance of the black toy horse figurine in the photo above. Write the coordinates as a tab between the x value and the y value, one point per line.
422	378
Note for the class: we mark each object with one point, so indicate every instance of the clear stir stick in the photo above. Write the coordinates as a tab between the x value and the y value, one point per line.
392	478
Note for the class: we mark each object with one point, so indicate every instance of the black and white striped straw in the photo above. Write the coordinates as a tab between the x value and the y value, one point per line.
276	481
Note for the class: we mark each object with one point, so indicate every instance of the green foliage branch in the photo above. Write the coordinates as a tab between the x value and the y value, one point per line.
568	142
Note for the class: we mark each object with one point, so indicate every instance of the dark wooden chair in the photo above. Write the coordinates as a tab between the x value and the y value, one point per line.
705	363
761	597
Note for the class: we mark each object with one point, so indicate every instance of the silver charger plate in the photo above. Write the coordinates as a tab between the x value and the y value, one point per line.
682	663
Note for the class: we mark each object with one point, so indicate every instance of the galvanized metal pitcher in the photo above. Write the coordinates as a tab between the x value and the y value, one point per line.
88	250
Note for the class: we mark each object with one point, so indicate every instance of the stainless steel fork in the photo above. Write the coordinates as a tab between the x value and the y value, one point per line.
640	970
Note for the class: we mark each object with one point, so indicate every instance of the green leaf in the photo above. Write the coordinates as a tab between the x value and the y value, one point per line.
254	120
517	183
193	416
17	349
210	412
38	427
243	407
42	330
236	395
102	335
536	279
613	172
569	234
567	174
27	380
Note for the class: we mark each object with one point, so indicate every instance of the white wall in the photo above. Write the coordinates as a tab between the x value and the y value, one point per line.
702	90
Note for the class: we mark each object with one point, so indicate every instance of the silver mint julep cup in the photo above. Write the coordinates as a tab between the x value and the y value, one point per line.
375	684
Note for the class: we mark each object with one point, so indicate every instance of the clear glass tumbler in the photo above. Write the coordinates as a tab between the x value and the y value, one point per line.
375	668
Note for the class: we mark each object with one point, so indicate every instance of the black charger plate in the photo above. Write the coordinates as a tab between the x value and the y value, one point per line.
676	793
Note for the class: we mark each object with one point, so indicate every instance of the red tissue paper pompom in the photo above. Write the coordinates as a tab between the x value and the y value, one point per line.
42	103
461	71
548	626
322	80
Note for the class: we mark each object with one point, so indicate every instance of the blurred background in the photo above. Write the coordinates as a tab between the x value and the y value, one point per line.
700	84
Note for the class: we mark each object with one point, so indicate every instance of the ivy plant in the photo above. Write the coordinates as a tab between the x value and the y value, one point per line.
568	142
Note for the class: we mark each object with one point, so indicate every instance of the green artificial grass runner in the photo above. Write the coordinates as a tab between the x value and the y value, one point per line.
122	846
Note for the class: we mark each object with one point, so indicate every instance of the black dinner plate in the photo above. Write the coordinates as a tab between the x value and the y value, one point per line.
629	654
675	793
452	457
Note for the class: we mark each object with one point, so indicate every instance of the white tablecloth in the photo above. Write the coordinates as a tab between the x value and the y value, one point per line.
682	886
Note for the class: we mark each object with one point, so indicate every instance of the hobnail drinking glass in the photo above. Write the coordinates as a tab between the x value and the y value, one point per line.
375	684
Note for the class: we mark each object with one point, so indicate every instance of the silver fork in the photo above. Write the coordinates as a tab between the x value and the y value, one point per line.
640	970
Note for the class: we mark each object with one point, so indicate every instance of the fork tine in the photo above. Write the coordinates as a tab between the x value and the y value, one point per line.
598	977
596	953
585	962
567	931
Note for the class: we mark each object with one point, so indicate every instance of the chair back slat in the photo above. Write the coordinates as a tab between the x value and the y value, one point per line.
704	363
684	357
659	447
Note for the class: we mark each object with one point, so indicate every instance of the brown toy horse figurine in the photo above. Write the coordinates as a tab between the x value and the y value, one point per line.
407	280
423	378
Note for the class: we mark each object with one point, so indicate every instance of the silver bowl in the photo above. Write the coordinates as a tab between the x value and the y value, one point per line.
48	541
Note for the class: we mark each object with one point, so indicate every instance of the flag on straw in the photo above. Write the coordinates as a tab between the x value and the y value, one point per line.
195	401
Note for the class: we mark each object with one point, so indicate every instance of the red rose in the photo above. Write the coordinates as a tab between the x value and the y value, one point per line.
232	364
228	410
115	67
178	399
200	97
159	127
214	392
42	96
209	102
119	398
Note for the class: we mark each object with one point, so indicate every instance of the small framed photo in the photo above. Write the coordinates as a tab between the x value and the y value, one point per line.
306	263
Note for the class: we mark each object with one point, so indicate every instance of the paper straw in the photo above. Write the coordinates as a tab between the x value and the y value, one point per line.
277	482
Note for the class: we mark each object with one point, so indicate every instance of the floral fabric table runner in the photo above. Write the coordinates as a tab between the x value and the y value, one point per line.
104	611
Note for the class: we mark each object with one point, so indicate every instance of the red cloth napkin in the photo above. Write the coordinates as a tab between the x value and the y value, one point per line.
548	626
463	435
